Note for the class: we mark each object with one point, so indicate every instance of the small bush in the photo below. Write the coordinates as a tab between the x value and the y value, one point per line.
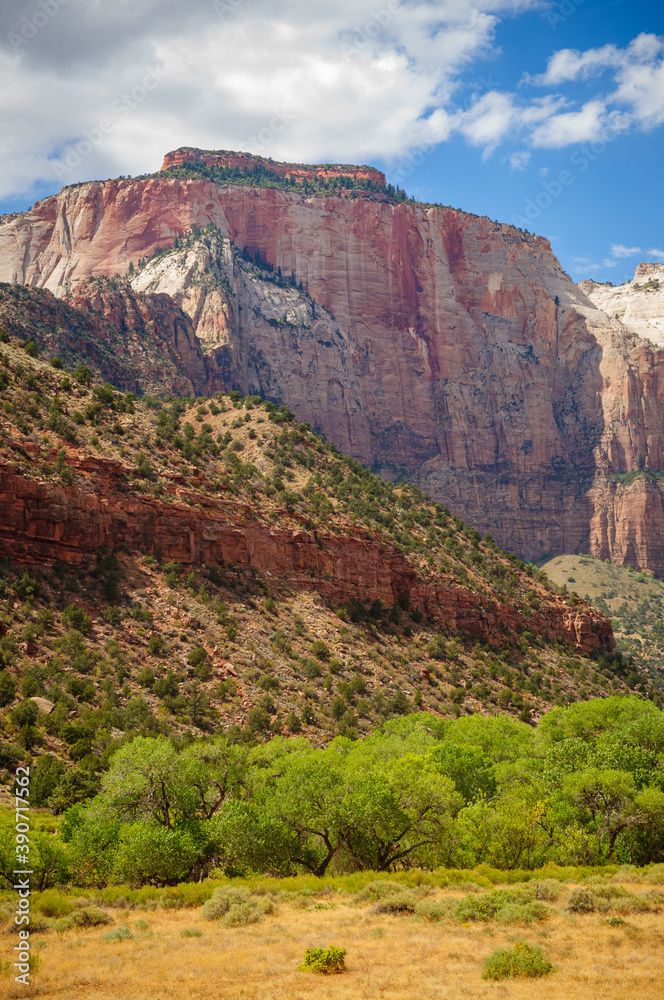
375	891
523	913
323	960
119	934
400	902
321	650
52	904
581	901
655	875
191	932
76	618
235	907
523	961
431	911
90	916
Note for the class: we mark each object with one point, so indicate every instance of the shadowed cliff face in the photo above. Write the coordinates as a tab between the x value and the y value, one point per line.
435	346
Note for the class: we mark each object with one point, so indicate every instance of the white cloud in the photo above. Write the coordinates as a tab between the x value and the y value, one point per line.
358	79
571	127
352	80
520	160
570	64
659	254
608	262
637	73
618	250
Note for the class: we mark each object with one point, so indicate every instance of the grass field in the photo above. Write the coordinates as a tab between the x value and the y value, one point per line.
175	955
634	602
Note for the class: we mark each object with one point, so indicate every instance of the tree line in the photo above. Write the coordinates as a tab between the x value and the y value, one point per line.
583	786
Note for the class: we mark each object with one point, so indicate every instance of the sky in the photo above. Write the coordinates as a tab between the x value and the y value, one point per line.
549	116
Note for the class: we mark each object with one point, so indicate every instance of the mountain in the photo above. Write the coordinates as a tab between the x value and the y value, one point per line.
432	345
191	565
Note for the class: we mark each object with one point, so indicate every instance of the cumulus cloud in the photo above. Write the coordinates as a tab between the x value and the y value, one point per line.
618	250
657	254
354	80
92	88
637	79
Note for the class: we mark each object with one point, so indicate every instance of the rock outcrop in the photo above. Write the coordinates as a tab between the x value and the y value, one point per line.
46	522
431	344
246	162
639	303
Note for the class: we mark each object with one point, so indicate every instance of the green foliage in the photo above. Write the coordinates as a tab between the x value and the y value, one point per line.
522	961
323	960
235	907
75	617
119	934
321	650
7	689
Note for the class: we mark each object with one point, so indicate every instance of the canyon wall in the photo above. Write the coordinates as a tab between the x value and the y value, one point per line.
433	345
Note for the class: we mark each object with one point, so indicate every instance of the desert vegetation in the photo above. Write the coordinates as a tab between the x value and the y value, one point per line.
336	937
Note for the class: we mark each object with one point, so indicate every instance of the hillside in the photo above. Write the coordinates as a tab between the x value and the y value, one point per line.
633	601
430	344
203	564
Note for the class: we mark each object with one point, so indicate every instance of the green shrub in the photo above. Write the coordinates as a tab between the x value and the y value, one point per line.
7	689
52	904
90	916
374	892
655	875
523	913
321	650
119	934
76	618
523	960
434	911
323	960
191	932
399	902
235	906
581	901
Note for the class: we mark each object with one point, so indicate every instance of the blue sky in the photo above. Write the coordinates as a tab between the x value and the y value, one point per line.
547	115
616	195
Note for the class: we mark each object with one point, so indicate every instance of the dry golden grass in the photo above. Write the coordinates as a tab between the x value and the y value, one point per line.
390	957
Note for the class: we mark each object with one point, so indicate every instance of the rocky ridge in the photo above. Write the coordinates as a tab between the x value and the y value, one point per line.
212	563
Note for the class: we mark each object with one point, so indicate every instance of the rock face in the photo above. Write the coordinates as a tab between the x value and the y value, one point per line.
44	522
639	303
142	343
245	162
432	345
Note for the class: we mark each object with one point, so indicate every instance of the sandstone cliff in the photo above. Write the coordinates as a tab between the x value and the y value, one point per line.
639	303
433	345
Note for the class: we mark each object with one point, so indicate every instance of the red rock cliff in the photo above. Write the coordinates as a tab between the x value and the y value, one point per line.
245	162
44	522
432	345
